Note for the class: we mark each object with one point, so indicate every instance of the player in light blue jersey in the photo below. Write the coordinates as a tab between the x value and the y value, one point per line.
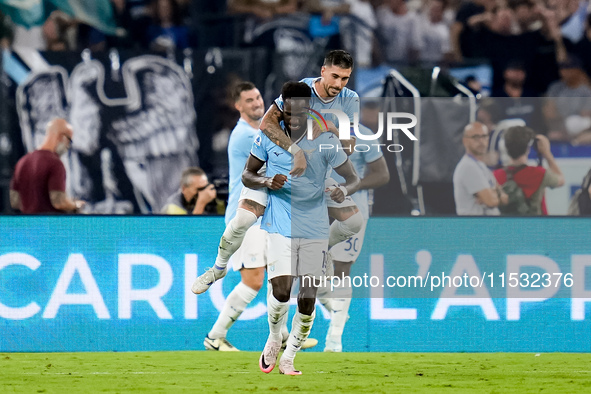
296	219
334	76
329	91
249	259
371	166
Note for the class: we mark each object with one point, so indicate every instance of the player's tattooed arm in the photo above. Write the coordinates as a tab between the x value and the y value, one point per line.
251	178
271	128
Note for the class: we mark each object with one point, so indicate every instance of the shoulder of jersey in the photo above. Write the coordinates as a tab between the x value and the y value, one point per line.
346	92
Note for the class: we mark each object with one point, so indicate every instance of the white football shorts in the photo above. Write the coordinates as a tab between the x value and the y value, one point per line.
296	256
252	252
348	250
256	195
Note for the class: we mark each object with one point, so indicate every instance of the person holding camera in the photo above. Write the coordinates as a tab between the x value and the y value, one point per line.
196	196
532	180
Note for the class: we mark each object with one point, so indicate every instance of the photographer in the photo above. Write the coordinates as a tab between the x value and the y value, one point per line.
196	196
528	182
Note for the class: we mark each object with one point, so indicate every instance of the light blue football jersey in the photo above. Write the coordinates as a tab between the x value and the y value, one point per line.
347	101
238	151
360	159
298	209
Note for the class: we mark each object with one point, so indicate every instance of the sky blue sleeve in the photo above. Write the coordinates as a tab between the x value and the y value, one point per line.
335	157
374	152
259	149
279	103
352	106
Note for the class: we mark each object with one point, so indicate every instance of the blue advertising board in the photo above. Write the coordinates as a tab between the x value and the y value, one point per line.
108	283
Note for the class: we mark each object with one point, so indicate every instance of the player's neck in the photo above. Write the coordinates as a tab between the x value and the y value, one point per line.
255	124
320	90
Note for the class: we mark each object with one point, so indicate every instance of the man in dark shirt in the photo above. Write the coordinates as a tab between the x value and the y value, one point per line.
39	181
465	39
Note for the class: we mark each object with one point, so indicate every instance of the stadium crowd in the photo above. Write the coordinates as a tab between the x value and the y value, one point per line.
536	48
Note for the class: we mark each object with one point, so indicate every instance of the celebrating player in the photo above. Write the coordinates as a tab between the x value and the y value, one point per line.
297	222
330	92
250	258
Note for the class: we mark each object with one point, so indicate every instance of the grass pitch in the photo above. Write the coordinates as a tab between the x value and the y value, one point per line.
212	372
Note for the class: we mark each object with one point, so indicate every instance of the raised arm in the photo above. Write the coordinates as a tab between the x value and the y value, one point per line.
271	128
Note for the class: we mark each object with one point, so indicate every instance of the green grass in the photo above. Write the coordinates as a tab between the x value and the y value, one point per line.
210	372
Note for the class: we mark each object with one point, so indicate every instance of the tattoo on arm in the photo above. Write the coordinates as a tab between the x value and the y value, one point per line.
270	127
254	207
60	201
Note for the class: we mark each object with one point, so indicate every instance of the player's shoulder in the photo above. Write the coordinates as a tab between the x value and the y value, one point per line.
261	140
346	92
364	130
309	81
327	138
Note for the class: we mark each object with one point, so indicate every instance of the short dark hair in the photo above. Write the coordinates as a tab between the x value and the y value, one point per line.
338	58
517	140
188	172
514	4
242	87
295	89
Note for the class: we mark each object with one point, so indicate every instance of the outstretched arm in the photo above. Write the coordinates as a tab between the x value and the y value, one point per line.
271	128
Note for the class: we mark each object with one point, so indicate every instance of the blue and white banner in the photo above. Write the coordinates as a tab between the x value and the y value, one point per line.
88	283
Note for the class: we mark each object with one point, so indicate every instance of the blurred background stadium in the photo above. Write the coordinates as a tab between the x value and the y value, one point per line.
93	63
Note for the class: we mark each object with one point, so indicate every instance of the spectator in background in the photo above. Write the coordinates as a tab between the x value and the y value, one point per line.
39	181
435	41
568	105
476	191
504	41
582	48
580	204
532	181
6	34
166	33
196	196
464	33
516	101
262	9
400	33
357	33
135	17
